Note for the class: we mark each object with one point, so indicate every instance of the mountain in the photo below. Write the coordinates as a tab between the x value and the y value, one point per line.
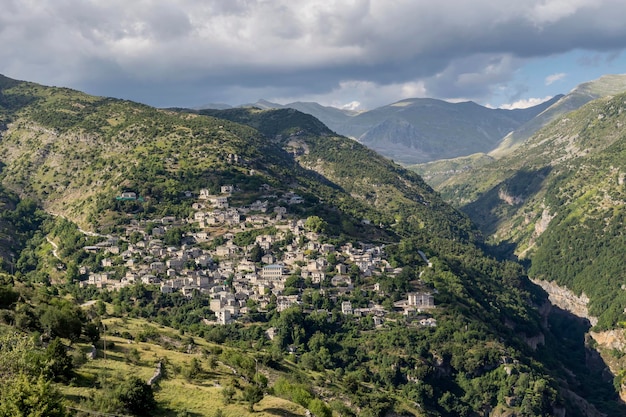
332	117
439	172
138	181
420	130
216	106
604	86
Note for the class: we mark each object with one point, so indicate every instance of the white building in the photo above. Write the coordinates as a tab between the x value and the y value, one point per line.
346	307
223	317
272	272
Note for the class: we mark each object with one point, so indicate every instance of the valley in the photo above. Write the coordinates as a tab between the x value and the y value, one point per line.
272	266
555	202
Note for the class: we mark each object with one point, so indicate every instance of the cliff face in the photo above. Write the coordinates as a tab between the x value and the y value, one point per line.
607	342
610	339
567	300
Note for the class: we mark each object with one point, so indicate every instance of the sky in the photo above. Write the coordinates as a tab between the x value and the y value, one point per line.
354	54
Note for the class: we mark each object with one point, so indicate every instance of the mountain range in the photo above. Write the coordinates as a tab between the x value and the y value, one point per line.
421	130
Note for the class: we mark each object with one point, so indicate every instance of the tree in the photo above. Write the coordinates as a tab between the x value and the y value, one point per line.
252	394
227	395
27	397
294	281
62	321
173	236
58	364
72	273
315	224
18	354
319	409
136	396
101	308
256	253
92	331
7	297
193	370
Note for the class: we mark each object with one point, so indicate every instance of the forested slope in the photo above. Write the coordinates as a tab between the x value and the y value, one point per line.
558	200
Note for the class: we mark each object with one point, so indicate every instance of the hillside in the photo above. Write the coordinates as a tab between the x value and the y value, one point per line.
409	204
606	85
383	300
438	172
558	201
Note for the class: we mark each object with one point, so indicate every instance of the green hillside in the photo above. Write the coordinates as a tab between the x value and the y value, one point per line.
404	201
438	172
558	199
185	215
604	86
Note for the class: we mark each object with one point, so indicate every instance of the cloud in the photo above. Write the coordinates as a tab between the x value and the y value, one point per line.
551	79
555	10
170	51
360	95
525	103
474	76
353	105
598	59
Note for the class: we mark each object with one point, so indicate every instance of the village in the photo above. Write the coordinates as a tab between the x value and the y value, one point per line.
280	256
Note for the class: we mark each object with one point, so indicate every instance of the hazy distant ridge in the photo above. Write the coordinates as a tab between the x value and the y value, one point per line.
420	129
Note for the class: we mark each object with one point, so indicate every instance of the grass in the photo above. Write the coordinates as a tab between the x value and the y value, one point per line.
200	396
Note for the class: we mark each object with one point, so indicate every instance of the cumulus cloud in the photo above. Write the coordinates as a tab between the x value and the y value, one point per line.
353	105
170	51
360	95
525	103
551	79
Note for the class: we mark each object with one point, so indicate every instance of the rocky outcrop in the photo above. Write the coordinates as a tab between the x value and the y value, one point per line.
610	339
511	200
542	224
535	341
567	300
158	372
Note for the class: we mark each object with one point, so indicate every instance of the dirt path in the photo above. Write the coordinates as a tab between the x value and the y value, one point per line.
55	248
